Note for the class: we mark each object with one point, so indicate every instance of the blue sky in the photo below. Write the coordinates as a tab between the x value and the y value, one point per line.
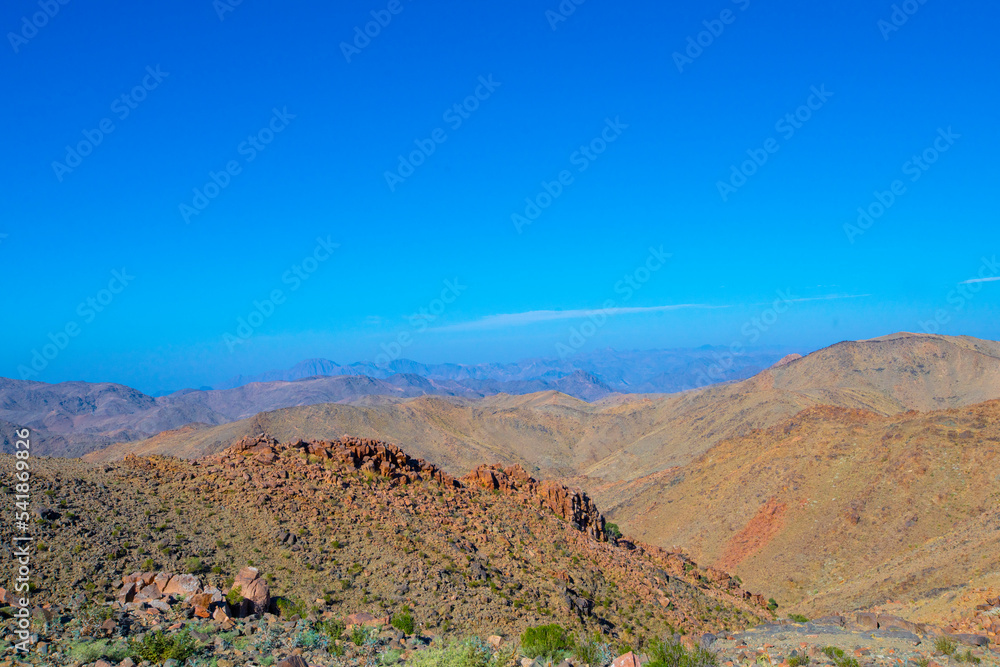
622	145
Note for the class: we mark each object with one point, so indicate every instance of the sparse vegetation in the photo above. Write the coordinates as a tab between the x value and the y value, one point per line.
593	650
945	646
839	657
403	621
157	647
471	652
234	597
798	618
546	641
669	653
968	657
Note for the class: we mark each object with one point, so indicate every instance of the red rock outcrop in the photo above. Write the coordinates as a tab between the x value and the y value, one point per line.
572	505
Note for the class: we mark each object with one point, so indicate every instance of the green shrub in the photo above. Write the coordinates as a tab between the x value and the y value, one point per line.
967	657
308	639
668	653
193	565
471	652
332	628
93	651
545	641
772	604
798	618
235	596
390	657
288	607
403	621
360	634
839	657
593	650
157	647
798	661
612	530
945	645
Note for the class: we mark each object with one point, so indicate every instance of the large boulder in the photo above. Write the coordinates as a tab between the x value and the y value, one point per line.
254	590
184	585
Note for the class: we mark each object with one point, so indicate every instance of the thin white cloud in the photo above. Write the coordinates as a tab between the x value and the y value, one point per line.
980	280
535	316
828	297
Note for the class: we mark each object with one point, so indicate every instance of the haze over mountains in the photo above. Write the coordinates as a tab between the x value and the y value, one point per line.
628	372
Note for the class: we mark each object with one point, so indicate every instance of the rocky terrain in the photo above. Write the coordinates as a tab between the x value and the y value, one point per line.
343	527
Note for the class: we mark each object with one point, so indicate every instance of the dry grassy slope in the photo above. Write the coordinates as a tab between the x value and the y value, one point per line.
860	507
468	559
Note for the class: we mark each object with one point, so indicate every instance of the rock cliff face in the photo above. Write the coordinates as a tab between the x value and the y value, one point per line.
573	506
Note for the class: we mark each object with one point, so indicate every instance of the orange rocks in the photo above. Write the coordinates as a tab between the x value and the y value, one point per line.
627	660
573	506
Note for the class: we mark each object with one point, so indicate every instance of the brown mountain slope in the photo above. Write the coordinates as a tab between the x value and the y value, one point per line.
354	525
627	438
858	507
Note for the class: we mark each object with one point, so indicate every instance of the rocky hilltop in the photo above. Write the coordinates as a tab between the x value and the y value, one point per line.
352	526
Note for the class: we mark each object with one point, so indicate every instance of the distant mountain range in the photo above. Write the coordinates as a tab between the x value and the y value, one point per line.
73	418
611	371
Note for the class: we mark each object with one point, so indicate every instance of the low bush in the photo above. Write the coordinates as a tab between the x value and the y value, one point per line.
546	641
839	657
968	657
471	652
669	653
403	621
157	647
798	618
945	646
593	650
